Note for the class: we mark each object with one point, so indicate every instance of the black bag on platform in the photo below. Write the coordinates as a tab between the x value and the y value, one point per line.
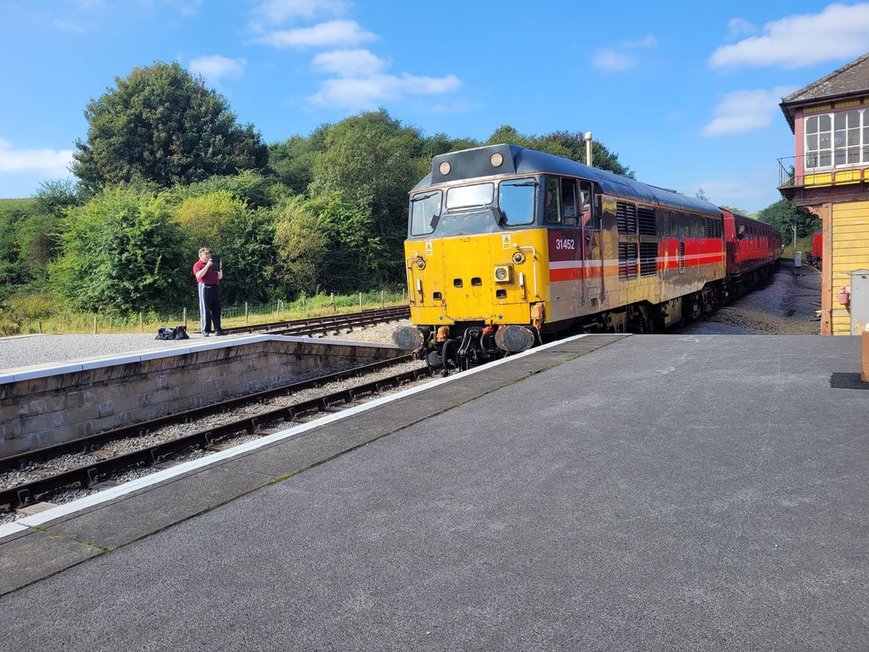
177	333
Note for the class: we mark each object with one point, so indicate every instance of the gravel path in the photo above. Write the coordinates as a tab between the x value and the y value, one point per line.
39	350
786	305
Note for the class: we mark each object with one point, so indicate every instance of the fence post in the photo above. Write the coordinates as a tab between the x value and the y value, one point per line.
245	312
382	299
141	321
360	302
184	317
334	307
95	324
280	309
40	326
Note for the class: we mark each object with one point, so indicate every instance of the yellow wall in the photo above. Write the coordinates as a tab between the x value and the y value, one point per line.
850	252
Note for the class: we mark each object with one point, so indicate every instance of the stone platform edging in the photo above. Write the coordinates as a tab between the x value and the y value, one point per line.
58	403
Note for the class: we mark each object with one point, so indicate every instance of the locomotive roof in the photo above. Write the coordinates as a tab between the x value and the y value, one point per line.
475	163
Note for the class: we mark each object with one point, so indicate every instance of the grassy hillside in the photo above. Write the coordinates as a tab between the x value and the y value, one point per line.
8	206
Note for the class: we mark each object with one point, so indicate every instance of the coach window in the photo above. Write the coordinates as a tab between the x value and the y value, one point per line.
516	201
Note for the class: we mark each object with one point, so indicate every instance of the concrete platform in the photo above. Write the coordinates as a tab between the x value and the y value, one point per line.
694	492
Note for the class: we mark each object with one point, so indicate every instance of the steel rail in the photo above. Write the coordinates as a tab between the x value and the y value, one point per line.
91	473
93	442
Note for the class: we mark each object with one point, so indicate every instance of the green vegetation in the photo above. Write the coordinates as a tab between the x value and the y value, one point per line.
166	169
160	124
40	314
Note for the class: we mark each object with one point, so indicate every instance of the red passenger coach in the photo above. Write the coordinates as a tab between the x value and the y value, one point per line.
816	255
753	250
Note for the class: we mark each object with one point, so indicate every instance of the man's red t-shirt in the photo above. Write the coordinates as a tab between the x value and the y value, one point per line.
209	278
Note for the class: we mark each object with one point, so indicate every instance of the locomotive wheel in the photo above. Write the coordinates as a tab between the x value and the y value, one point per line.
641	320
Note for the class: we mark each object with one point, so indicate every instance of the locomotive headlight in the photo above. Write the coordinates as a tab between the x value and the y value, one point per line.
420	264
496	160
503	273
519	257
445	168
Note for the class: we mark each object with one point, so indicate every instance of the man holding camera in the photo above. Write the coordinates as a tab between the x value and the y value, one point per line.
208	275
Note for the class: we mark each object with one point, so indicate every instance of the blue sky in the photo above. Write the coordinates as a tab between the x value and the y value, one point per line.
686	93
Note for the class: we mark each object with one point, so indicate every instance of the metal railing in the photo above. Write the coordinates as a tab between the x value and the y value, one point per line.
840	174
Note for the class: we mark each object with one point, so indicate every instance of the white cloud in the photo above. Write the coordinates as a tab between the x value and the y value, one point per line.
742	111
751	190
611	61
737	28
52	162
838	32
215	67
276	12
368	92
332	33
619	58
349	63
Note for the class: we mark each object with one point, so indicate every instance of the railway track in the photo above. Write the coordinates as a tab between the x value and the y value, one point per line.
326	324
261	423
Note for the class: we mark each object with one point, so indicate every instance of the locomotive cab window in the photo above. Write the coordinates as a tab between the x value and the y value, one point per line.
568	202
589	217
476	196
425	211
551	213
516	201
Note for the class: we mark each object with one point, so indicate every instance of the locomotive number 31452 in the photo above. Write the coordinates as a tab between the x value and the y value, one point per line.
562	244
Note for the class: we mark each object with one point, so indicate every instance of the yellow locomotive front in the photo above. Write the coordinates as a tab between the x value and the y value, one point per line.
477	264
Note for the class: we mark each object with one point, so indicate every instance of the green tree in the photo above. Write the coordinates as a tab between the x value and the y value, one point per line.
122	253
162	124
780	215
248	254
14	271
293	160
203	218
372	161
326	244
301	247
254	189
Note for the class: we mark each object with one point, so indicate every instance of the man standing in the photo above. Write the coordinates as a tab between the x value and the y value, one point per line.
208	288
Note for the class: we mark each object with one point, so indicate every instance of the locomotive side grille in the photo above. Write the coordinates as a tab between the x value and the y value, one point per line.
627	260
646	218
681	256
648	258
626	218
713	228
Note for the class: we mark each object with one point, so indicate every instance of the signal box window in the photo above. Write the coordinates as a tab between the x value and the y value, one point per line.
425	211
516	201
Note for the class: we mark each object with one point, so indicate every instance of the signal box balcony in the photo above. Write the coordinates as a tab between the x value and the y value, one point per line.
800	178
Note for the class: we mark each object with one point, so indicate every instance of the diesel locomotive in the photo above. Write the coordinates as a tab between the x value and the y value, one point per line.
507	245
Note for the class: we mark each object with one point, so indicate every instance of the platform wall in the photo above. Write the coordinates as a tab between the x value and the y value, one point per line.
45	407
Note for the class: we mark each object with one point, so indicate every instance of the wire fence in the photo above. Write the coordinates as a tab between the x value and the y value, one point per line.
235	315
